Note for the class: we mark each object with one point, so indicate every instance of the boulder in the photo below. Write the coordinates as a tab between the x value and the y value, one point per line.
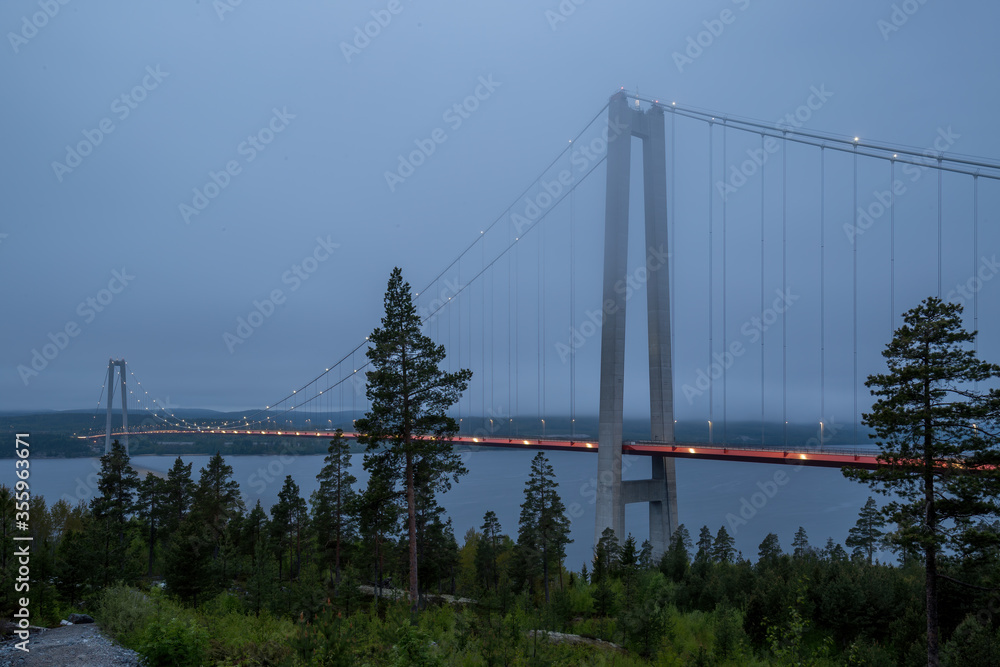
80	618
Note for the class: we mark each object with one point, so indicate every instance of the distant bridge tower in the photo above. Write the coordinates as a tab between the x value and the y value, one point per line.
120	364
660	492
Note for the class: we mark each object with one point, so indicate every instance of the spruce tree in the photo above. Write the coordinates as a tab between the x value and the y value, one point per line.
865	537
490	543
409	396
333	503
704	554
217	496
178	494
150	508
117	485
677	558
543	528
724	547
800	543
769	549
289	520
938	440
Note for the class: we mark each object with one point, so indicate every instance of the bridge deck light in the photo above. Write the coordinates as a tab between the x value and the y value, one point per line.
691	449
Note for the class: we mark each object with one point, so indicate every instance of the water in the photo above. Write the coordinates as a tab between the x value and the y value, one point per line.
711	493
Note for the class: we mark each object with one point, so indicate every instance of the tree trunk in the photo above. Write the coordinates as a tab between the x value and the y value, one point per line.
545	571
930	519
411	508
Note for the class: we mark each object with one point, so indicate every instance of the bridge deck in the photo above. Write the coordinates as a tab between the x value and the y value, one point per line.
824	458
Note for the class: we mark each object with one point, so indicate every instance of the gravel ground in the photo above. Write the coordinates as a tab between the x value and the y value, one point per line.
76	645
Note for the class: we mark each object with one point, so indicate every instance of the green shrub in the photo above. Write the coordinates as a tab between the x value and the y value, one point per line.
123	612
181	642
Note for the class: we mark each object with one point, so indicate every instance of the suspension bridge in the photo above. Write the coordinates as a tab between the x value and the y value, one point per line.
775	261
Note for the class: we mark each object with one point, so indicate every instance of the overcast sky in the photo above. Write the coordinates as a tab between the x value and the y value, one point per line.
175	163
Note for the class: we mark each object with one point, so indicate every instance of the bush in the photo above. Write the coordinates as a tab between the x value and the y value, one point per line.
123	612
181	642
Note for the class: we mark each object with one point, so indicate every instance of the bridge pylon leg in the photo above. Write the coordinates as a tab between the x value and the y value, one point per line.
660	491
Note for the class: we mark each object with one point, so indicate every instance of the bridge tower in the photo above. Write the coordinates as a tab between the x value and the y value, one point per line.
625	122
120	364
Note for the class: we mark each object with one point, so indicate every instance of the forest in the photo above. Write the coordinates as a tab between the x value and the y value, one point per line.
178	569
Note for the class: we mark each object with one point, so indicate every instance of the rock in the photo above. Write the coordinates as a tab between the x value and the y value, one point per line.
64	622
80	618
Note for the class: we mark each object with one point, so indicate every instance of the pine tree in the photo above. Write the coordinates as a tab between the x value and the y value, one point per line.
333	503
677	558
178	494
217	496
704	554
150	510
117	484
288	524
409	396
800	543
769	549
543	529
378	513
866	537
938	440
490	543
724	547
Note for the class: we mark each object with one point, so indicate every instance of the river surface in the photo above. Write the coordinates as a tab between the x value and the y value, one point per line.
711	493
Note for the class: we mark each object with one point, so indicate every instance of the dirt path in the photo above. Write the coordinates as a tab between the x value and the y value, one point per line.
76	645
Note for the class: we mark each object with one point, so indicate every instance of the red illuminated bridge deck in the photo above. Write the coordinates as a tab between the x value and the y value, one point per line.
825	458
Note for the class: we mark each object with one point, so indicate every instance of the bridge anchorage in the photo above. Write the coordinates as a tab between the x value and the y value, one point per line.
120	364
660	491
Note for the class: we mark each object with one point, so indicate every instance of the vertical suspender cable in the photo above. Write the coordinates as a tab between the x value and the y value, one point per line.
762	292
482	349
975	263
822	291
784	287
458	356
542	323
892	248
854	283
510	346
572	320
711	279
538	304
940	257
517	334
673	227
725	344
